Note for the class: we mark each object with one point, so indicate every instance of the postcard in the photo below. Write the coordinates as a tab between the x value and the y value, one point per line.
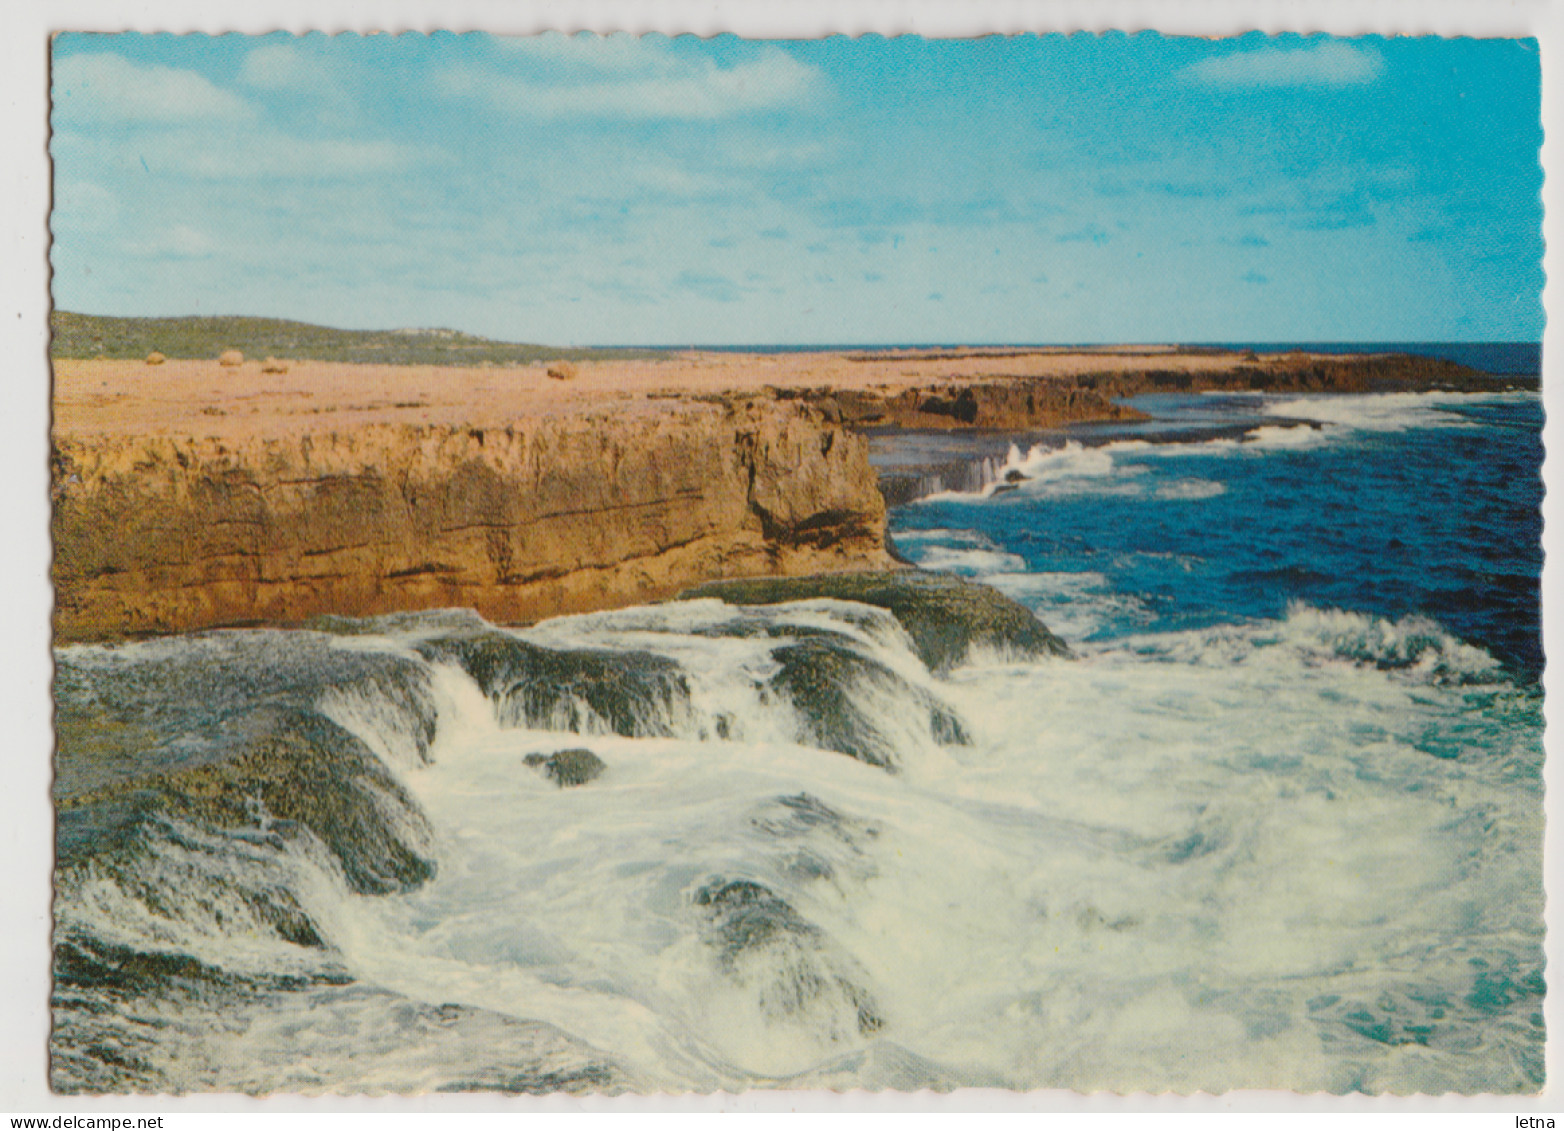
630	565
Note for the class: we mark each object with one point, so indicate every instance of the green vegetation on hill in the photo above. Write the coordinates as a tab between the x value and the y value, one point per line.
93	335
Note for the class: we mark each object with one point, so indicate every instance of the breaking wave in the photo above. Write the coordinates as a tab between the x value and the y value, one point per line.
703	845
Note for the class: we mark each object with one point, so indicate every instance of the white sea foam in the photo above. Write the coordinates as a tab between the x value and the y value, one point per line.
1149	864
970	538
1075	470
1377	412
1074	605
1264	855
1415	646
1175	489
1115	468
1292	436
970	562
204	902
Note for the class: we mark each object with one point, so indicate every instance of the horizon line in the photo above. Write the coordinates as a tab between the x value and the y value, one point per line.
1163	343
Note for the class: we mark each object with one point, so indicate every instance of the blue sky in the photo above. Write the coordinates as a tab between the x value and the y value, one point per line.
620	190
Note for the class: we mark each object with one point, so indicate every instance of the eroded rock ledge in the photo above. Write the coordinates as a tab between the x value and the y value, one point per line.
191	495
1022	401
584	511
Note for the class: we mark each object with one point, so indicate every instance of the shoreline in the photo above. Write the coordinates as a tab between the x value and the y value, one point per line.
956	390
192	495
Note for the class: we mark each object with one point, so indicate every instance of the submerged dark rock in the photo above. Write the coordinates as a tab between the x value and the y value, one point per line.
799	814
121	973
230	733
289	765
823	844
746	915
423	622
634	694
761	939
820	676
344	1037
944	614
568	767
125	713
196	780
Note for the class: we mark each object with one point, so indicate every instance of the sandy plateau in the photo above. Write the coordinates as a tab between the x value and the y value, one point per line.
203	398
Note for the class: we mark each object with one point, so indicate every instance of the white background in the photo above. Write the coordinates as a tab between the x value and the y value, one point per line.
26	821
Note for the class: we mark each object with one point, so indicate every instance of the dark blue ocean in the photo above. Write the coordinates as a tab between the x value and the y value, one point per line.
1387	506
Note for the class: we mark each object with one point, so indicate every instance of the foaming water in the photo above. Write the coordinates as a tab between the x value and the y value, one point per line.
1306	851
1391	505
1245	835
1381	412
1264	855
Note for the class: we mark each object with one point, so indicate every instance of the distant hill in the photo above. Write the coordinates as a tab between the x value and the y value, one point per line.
95	335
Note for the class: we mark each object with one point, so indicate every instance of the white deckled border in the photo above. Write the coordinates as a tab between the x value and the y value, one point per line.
26	827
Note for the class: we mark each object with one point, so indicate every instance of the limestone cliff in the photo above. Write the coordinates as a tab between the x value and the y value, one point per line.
190	495
1017	403
553	515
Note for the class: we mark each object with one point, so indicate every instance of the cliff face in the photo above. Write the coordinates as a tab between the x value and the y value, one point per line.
563	514
1016	404
190	495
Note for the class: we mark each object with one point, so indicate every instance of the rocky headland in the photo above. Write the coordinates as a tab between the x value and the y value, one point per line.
165	533
191	494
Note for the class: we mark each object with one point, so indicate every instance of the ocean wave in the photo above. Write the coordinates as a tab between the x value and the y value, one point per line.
1416	647
1065	854
1189	489
970	562
972	538
1291	436
1074	470
1075	605
1376	412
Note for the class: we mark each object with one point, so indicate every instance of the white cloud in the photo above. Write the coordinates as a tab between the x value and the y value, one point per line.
275	66
277	155
84	206
192	242
327	82
1330	62
108	88
618	52
661	177
176	241
770	153
258	156
642	83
